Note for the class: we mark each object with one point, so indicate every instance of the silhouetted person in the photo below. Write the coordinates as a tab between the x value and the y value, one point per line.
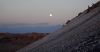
92	7
88	10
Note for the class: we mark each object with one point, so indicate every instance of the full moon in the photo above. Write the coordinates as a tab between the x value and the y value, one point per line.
50	14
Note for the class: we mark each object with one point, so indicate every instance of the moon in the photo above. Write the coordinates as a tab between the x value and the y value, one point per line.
50	14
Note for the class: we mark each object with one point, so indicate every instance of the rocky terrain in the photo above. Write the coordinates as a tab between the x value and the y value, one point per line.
81	34
10	42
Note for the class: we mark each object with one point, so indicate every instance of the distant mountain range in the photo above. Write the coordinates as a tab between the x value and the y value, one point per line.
26	29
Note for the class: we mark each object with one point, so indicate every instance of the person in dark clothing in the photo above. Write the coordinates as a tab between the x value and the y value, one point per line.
88	10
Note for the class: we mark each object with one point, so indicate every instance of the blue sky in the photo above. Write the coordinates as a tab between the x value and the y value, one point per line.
28	12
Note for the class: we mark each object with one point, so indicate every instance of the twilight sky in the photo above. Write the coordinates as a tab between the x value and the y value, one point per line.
26	12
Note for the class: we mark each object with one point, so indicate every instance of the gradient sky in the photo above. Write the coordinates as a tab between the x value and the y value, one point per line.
21	12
